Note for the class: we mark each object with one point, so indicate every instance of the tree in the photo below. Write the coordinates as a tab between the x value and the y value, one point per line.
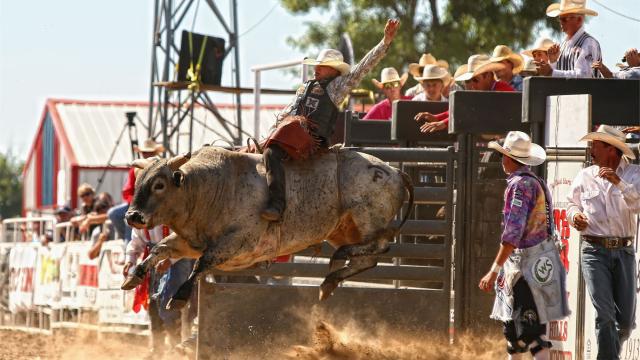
451	31
10	186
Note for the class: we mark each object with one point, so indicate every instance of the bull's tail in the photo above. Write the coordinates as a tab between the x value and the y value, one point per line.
408	184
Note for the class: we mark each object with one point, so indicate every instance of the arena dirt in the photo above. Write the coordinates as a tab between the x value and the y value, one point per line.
329	343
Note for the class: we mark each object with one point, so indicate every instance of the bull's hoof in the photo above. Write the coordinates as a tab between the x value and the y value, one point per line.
326	289
131	282
176	304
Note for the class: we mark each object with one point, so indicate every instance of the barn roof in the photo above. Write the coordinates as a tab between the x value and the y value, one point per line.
89	130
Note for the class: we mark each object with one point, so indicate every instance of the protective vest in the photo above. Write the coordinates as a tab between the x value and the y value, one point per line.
314	103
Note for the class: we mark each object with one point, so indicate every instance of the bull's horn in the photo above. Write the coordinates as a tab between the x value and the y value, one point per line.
178	160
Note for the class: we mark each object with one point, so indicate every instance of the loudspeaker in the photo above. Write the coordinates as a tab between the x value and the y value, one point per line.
211	65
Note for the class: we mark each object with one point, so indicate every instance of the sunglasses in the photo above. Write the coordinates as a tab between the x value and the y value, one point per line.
86	194
392	85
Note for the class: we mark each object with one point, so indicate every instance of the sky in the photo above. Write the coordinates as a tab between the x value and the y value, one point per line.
101	50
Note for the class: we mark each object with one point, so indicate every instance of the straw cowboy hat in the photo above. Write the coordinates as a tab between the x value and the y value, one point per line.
542	44
461	70
415	69
149	146
611	136
388	75
503	52
434	72
478	64
566	7
332	58
518	146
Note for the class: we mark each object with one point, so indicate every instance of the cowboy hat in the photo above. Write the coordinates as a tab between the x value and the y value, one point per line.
415	69
388	75
149	146
566	7
478	64
332	58
503	52
542	44
611	136
434	72
461	70
518	146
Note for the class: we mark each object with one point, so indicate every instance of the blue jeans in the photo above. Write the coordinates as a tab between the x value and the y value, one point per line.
610	279
116	215
169	285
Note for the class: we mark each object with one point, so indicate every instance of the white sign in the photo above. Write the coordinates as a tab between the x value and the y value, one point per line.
22	260
78	276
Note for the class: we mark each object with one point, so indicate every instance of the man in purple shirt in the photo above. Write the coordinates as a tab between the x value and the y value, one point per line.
527	272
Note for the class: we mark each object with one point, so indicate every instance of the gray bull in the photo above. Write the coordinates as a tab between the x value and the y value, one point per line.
213	200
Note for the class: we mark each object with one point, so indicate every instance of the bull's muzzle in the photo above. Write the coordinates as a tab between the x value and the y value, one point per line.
135	219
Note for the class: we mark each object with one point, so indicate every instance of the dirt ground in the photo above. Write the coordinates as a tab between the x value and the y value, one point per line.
70	345
329	344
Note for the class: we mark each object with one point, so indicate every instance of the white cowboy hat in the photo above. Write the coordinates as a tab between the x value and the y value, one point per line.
332	58
388	75
566	7
149	146
415	69
611	136
434	72
478	64
503	52
542	44
518	146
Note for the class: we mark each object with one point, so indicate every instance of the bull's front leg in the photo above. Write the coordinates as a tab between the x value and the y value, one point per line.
172	246
217	252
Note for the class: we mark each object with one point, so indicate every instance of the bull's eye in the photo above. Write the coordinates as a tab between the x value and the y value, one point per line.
158	186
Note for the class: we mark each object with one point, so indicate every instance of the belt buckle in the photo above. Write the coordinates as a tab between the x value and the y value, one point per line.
613	243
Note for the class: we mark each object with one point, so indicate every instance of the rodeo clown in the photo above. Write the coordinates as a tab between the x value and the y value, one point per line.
307	124
530	286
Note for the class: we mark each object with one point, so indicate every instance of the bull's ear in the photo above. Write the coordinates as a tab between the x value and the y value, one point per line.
179	160
178	178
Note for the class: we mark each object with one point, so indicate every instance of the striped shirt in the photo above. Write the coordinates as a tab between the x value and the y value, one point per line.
577	54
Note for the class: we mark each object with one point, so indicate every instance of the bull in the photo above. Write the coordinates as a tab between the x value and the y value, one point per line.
212	202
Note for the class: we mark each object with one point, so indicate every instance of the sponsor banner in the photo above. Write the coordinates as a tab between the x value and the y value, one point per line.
114	305
78	276
22	260
47	290
563	333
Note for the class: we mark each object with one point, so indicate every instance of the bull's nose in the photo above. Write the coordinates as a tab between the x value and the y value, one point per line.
134	218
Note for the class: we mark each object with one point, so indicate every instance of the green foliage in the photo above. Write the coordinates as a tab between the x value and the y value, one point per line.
10	186
451	31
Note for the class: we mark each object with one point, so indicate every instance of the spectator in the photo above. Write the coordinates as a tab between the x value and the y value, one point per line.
479	76
148	149
86	193
539	50
632	71
64	214
572	59
101	231
93	219
416	69
391	85
513	65
433	81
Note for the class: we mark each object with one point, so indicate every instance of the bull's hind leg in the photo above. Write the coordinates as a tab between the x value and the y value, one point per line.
361	257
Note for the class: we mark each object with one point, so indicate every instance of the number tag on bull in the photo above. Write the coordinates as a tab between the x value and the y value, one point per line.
542	270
